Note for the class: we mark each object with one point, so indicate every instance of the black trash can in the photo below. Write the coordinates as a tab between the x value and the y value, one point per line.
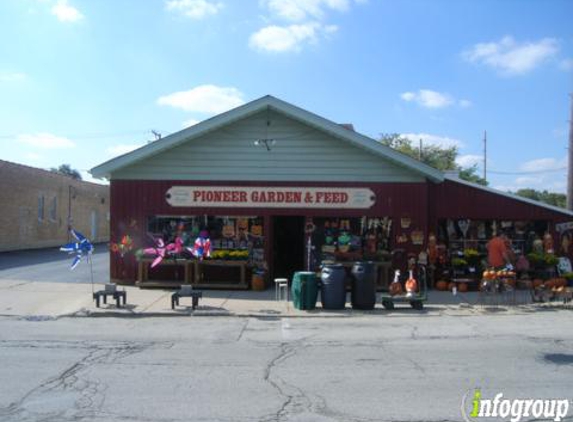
363	285
333	289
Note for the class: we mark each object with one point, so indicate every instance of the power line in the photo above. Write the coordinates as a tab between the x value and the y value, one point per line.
95	135
527	172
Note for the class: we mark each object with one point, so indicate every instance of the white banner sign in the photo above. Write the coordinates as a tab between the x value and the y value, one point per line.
269	197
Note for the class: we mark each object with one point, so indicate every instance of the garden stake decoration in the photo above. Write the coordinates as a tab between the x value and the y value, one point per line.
124	246
80	248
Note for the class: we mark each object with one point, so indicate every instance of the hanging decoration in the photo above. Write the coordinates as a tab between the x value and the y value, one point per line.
417	237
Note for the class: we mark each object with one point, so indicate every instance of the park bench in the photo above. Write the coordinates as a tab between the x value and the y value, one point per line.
110	290
186	291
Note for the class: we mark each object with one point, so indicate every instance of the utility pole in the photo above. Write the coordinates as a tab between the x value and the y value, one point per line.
570	154
485	155
420	151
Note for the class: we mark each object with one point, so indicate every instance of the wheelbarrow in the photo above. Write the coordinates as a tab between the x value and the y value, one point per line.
416	301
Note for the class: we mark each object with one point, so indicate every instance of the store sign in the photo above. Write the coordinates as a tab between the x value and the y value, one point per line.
269	197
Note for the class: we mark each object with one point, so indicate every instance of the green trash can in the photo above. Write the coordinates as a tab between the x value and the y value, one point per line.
304	290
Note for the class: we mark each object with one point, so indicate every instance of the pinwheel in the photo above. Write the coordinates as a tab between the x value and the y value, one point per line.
202	246
176	247
80	248
158	251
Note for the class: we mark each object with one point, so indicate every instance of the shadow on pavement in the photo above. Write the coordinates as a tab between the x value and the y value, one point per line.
24	258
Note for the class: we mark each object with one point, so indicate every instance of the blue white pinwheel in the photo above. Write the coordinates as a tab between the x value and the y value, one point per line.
80	248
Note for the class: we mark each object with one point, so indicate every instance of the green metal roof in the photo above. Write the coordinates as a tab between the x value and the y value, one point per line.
267	102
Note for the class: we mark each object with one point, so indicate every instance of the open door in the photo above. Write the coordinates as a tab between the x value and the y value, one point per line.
288	246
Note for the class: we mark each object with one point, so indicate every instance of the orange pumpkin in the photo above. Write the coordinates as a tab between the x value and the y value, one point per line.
411	284
395	289
463	287
537	283
510	282
442	285
550	283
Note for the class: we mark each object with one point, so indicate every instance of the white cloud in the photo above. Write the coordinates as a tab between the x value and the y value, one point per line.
465	103
66	13
427	139
510	57
528	181
34	157
194	9
544	164
122	149
210	99
45	141
279	39
190	122
469	160
87	177
566	64
12	76
300	10
428	98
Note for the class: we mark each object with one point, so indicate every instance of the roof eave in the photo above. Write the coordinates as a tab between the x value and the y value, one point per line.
106	169
510	195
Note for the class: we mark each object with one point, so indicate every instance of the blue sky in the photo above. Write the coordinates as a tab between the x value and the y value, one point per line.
82	81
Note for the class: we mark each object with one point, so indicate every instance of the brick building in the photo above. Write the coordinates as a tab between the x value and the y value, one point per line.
37	204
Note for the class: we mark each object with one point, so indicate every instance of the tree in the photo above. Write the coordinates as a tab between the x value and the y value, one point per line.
441	158
550	198
67	170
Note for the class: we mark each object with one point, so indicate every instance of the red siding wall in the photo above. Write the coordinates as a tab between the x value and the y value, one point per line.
457	200
424	203
133	201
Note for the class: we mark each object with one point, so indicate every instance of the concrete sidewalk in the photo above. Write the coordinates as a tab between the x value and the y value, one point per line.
27	299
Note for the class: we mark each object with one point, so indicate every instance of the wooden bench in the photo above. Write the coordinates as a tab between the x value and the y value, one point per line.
110	290
186	291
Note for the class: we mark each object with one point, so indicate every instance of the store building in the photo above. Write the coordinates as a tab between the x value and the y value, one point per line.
38	205
291	189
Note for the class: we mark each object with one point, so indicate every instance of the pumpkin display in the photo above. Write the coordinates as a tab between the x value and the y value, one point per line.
442	285
463	287
537	283
451	286
549	284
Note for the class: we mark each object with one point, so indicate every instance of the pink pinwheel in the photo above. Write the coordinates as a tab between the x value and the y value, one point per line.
176	247
159	251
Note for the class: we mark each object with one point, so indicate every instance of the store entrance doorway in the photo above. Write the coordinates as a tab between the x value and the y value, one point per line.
288	246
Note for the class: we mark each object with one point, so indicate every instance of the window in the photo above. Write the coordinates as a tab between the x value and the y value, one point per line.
54	209
41	208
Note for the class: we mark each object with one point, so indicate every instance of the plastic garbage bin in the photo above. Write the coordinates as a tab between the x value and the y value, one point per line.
304	290
363	285
333	289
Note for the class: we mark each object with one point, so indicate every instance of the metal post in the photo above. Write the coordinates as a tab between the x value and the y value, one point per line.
485	155
570	155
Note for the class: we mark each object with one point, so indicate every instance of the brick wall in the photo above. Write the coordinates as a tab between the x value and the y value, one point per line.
25	224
